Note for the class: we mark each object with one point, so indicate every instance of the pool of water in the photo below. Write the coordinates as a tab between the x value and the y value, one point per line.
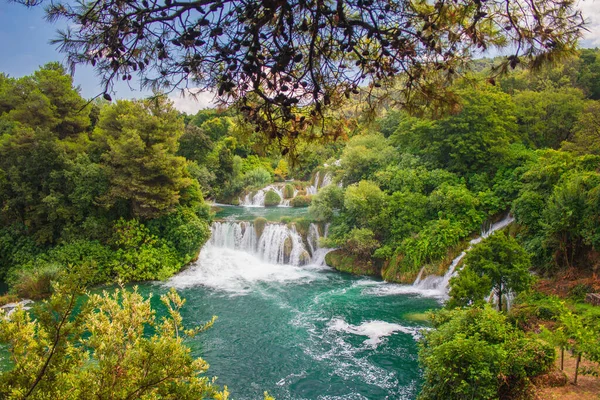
224	211
301	332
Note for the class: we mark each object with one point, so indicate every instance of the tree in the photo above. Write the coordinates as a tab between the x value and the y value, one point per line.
287	60
46	100
548	118
476	354
324	204
503	261
476	139
586	139
141	139
365	206
112	346
583	337
282	170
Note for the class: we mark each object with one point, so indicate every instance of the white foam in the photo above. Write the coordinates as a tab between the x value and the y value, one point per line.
237	271
374	330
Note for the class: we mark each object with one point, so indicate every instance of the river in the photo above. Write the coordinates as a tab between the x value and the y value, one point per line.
298	331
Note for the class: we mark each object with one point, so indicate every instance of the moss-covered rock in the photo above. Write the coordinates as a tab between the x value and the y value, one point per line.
259	225
304	258
272	199
350	263
301	201
287	249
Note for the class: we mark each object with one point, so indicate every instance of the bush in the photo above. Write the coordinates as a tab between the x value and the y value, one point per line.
272	199
301	201
361	242
36	283
257	178
324	203
476	353
288	191
184	230
141	256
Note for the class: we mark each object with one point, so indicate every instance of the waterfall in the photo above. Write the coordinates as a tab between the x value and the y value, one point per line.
319	183
441	283
314	187
277	244
258	199
318	253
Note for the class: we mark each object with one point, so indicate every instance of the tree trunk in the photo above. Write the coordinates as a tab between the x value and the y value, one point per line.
577	368
562	358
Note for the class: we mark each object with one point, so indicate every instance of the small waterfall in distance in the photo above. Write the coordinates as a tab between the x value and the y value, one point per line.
278	243
319	183
441	283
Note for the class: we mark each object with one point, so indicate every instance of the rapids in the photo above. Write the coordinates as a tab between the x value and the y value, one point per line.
289	325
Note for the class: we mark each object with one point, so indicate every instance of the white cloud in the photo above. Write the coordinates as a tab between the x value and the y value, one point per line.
591	13
191	101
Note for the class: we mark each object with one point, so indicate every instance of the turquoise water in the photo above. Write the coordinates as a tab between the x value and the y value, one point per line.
301	332
298	332
250	213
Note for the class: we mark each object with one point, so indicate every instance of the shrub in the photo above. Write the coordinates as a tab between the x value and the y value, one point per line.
288	191
361	242
257	178
184	230
301	201
272	199
476	353
324	203
141	256
35	283
68	349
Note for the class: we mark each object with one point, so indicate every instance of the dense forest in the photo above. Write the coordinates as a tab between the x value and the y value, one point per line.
101	192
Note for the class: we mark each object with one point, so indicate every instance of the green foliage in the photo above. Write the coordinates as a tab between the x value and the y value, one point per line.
456	204
142	141
431	243
257	178
282	169
288	191
476	353
360	242
195	144
469	288
586	136
272	199
326	202
548	118
35	283
558	207
69	352
500	262
363	156
140	255
301	201
474	140
184	230
363	203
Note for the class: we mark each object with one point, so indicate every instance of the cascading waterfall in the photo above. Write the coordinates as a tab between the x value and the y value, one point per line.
318	253
258	199
277	243
441	283
319	183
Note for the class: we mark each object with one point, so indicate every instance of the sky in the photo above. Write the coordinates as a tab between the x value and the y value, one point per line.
25	45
